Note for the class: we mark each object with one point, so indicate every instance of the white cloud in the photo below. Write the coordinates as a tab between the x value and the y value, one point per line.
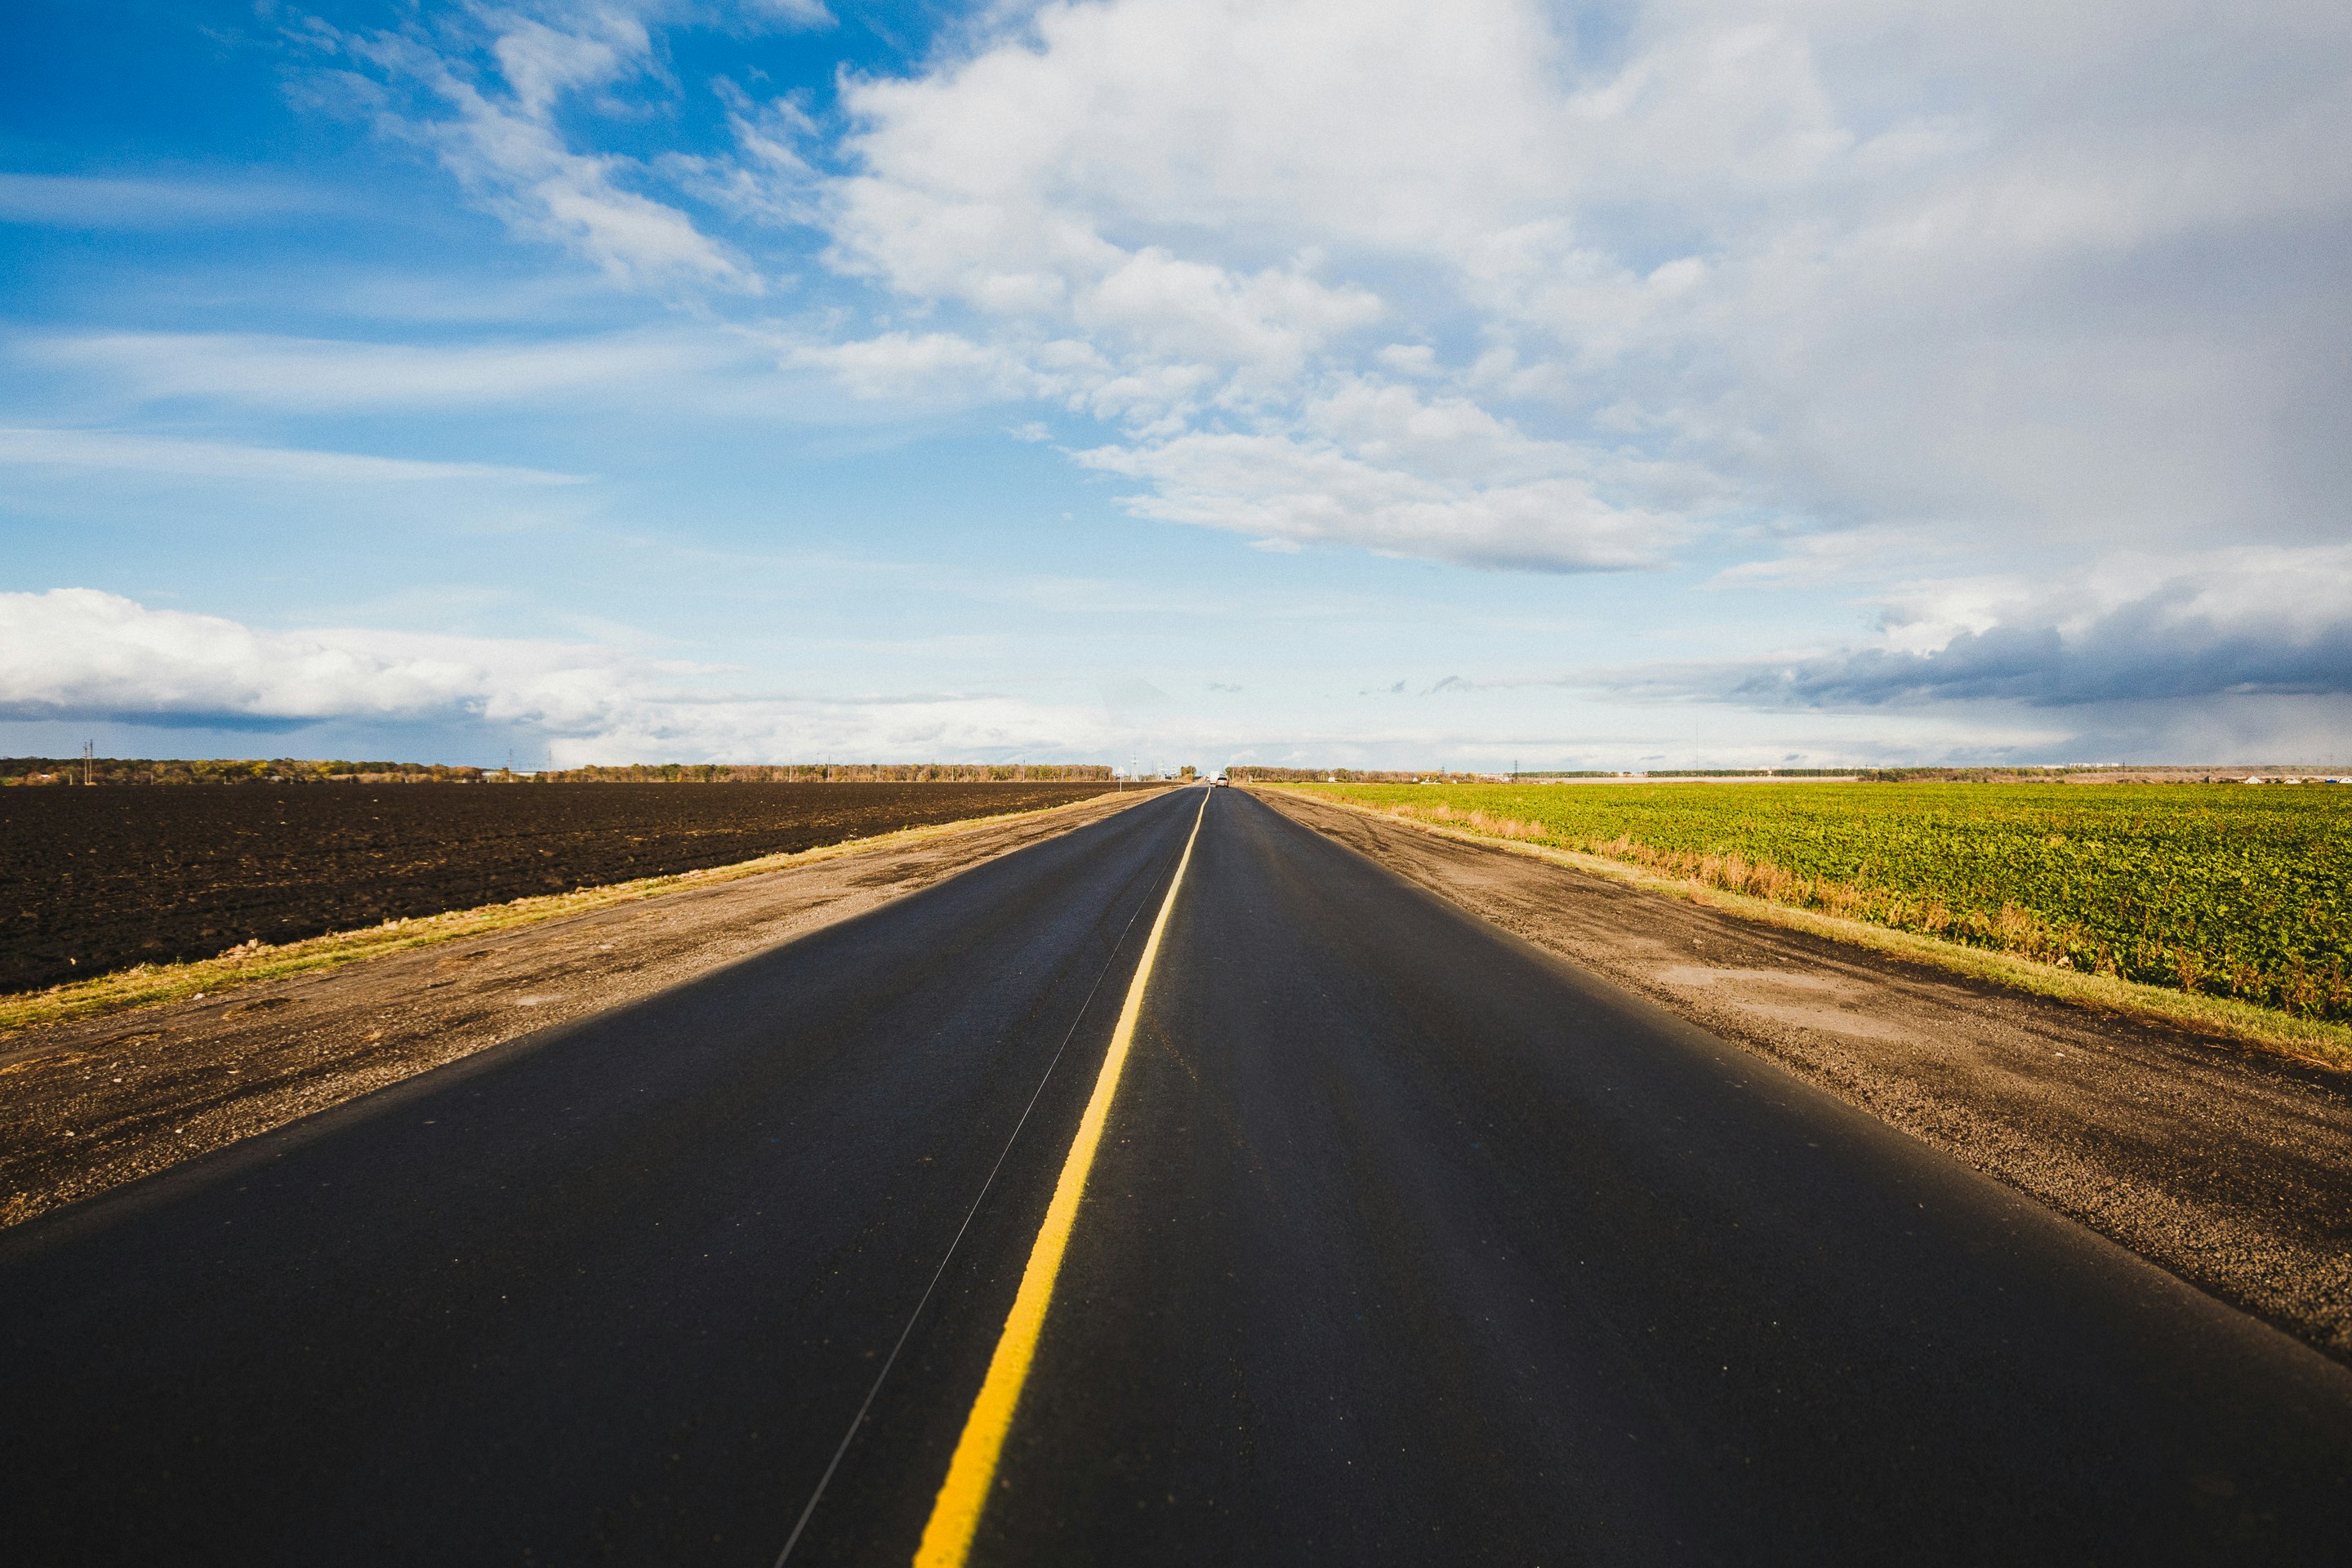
1972	312
1382	466
1096	196
494	127
76	653
2256	622
2034	274
709	369
920	367
796	13
1199	125
1288	492
1997	269
108	450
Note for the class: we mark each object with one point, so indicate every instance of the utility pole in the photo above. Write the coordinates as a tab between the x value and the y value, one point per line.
88	761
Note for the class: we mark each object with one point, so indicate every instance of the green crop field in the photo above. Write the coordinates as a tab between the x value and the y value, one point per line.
2229	891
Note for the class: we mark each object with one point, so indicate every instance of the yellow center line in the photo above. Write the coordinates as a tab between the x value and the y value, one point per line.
955	1513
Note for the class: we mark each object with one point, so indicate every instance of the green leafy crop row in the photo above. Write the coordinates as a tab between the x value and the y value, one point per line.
2232	891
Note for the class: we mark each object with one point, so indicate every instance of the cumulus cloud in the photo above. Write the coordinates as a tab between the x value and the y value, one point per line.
1992	270
1207	127
1382	467
77	653
1905	263
2035	307
1288	493
918	367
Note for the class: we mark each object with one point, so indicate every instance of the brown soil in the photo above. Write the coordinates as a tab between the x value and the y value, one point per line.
88	1105
98	880
2232	1169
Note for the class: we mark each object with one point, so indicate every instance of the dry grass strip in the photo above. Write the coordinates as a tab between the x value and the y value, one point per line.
148	985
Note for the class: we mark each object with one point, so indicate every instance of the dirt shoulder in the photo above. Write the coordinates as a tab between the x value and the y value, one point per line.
2232	1168
91	1104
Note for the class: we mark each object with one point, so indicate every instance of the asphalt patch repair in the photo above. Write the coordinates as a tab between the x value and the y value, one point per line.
2228	1166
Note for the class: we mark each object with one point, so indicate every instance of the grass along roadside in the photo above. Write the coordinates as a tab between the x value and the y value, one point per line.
148	985
2310	1041
2229	892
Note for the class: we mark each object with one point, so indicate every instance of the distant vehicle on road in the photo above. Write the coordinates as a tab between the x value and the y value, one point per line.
1221	781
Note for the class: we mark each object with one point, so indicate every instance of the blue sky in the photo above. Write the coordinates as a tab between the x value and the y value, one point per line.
1604	387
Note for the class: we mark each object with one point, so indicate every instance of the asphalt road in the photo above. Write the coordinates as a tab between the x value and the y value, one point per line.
1406	1243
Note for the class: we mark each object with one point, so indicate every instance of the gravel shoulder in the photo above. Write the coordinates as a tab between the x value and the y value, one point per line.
92	1104
2232	1168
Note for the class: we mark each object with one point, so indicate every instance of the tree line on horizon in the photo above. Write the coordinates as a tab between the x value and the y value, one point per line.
226	771
834	773
1252	774
40	771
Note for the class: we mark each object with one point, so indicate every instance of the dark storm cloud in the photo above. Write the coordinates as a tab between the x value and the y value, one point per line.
2153	648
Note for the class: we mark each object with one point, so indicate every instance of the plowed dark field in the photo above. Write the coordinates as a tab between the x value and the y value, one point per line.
95	879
